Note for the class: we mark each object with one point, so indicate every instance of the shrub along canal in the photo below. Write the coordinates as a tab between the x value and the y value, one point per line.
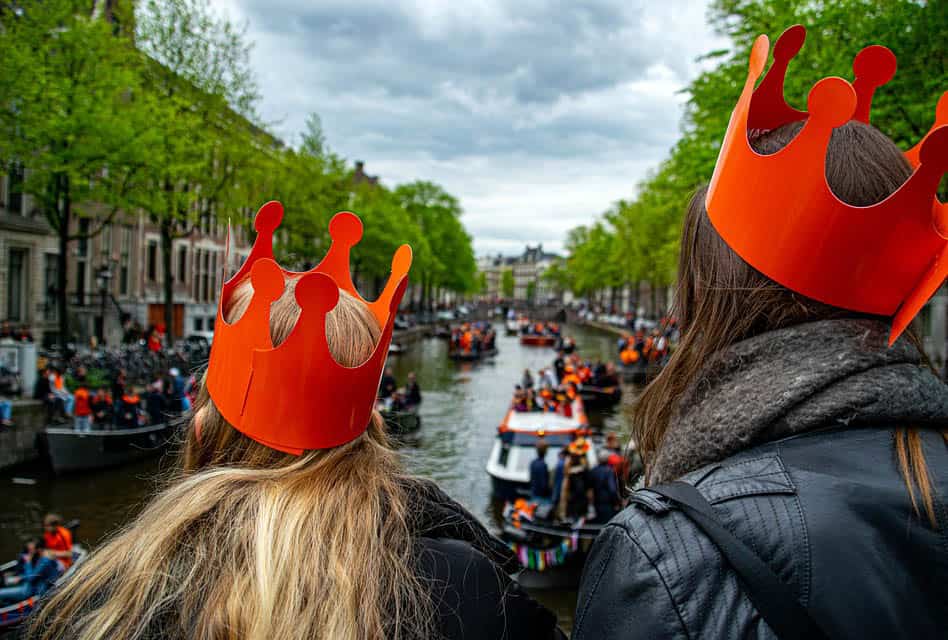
463	404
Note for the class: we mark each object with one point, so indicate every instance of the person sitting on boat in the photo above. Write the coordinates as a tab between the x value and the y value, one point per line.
527	381
131	414
540	474
519	404
412	391
388	385
569	376
58	540
564	402
294	519
546	399
533	404
576	500
559	366
605	488
82	409
156	404
559	472
36	571
102	408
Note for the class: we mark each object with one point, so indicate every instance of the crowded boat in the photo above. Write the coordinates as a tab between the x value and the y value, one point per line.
472	341
539	334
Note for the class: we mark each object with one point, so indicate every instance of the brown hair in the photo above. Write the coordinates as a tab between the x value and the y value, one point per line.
722	300
249	542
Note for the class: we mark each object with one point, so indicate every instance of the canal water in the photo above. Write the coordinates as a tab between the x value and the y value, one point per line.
463	404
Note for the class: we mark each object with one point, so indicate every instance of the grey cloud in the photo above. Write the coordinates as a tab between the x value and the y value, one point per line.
570	101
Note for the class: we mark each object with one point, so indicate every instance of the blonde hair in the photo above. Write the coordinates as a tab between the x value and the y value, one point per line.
248	542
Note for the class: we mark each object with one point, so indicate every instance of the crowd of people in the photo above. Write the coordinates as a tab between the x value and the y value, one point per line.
648	347
575	491
391	397
473	338
115	405
553	389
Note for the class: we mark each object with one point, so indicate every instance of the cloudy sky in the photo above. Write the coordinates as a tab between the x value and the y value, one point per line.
536	114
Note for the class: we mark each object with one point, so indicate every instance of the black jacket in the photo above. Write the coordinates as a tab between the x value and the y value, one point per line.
828	512
468	571
790	436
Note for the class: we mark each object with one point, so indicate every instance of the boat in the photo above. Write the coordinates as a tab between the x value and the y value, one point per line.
71	450
471	356
537	340
552	553
600	397
515	446
403	421
395	348
12	615
513	328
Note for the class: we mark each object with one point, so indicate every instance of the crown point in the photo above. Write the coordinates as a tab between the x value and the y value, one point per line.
875	64
941	110
268	217
789	43
758	56
317	292
401	261
831	102
267	279
345	227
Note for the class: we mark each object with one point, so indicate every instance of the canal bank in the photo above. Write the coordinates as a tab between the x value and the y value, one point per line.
463	405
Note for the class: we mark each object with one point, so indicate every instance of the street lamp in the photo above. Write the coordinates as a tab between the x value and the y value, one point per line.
103	276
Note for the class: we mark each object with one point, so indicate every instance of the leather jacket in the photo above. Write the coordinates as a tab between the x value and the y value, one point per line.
827	510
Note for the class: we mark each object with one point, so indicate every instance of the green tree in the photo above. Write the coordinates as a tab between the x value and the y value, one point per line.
444	252
205	96
71	111
640	236
507	283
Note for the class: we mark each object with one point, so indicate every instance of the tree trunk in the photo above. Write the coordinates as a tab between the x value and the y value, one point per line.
62	274
167	280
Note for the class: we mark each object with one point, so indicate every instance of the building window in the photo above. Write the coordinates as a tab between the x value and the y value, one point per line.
16	291
105	241
182	263
80	283
151	268
213	276
198	324
50	278
83	237
205	282
15	188
126	248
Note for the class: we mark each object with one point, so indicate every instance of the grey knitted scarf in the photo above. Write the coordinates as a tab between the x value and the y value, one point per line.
806	377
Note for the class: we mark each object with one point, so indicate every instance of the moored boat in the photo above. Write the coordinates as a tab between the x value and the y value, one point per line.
600	397
71	450
471	356
401	421
552	553
515	446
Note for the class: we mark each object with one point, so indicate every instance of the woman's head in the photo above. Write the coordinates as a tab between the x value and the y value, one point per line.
721	299
254	543
352	333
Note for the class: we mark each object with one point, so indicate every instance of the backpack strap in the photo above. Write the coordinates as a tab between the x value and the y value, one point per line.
773	599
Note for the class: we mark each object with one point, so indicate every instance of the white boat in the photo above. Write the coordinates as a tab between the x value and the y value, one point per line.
515	446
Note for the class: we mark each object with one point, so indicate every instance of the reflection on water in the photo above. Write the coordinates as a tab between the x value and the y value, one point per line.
463	404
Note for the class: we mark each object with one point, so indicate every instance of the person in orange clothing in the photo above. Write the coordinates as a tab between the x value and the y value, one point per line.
58	540
82	408
571	377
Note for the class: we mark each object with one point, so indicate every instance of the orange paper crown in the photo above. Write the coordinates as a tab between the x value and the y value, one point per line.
296	396
779	214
